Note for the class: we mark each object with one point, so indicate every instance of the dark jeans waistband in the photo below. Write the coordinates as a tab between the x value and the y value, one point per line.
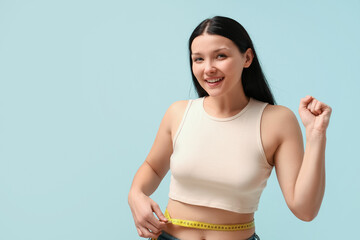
166	236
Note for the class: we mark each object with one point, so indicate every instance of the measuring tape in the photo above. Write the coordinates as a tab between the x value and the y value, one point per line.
209	226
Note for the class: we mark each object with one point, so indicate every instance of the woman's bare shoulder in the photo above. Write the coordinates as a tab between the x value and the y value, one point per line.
279	113
175	114
179	105
177	108
281	118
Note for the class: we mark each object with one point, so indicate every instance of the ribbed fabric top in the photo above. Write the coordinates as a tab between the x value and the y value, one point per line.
219	162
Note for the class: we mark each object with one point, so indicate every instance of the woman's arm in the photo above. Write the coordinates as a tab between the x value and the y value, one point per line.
150	174
302	175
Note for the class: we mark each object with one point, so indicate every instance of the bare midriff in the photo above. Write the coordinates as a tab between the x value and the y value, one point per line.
180	210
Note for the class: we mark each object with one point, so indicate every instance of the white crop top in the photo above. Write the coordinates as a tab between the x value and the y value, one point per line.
219	162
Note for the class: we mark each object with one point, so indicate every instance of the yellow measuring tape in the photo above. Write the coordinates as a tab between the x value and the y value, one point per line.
209	226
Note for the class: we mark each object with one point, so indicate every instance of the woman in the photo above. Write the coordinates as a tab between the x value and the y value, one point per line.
221	147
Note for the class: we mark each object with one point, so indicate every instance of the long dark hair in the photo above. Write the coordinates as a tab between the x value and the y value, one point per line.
253	78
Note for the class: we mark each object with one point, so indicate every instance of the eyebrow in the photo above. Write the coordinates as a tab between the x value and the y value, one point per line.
217	50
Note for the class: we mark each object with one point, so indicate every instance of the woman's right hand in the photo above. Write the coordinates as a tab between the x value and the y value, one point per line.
143	209
148	218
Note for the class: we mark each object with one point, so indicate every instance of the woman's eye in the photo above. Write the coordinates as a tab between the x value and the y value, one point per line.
221	56
197	59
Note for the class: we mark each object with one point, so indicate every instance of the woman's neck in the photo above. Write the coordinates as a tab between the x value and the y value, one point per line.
225	105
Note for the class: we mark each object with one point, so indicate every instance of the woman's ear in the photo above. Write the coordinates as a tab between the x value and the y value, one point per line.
249	56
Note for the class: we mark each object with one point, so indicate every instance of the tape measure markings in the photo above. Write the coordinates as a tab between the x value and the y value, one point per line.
209	226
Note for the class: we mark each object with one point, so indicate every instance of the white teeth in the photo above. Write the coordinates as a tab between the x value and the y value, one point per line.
214	80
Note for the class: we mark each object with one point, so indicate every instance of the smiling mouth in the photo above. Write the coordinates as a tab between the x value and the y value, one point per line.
214	80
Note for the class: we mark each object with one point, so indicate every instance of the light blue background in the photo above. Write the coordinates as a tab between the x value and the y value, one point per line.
84	85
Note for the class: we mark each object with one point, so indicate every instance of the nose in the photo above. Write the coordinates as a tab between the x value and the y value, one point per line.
209	68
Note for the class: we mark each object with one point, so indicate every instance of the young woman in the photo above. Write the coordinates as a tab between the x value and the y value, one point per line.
221	147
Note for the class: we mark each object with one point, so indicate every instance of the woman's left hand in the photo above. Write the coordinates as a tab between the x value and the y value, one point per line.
315	115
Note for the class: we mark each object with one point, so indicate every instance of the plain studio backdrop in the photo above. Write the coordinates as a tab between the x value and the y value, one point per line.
84	86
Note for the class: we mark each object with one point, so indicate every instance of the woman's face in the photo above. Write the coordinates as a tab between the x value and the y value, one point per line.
218	64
